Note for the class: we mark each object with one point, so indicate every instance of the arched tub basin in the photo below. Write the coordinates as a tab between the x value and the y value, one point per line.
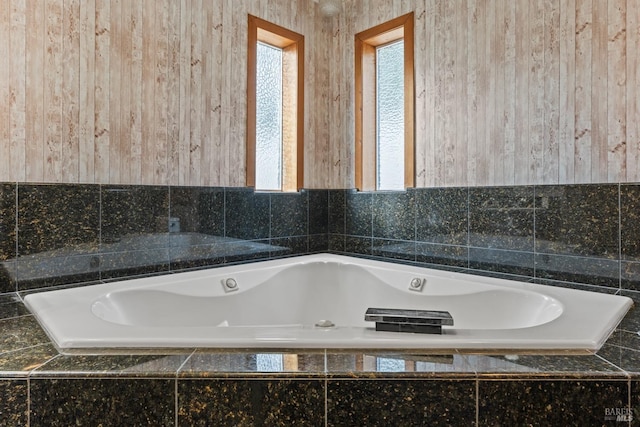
280	303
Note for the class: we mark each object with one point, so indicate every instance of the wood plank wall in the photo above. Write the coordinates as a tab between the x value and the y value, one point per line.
152	92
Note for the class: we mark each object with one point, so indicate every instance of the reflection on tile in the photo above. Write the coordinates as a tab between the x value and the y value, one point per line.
405	364
523	365
287	246
247	214
511	262
289	214
550	403
624	358
630	221
401	402
595	271
59	216
251	402
21	362
501	218
14	402
211	363
430	253
132	210
442	215
358	213
199	209
88	401
394	215
630	275
20	332
158	365
133	263
394	249
577	220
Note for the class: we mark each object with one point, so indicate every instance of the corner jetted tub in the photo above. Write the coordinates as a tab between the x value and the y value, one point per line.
319	301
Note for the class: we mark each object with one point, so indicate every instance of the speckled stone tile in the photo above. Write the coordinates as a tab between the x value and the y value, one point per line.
543	365
401	402
199	209
20	362
263	253
442	215
247	214
550	403
630	222
128	210
358	213
150	365
59	216
432	253
287	246
394	215
595	271
318	243
501	218
209	363
14	402
358	245
496	260
399	364
577	220
289	214
88	401
20	332
11	306
251	402
337	242
630	275
7	234
624	358
337	206
123	264
318	211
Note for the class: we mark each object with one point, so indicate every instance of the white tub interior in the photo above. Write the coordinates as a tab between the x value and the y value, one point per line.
278	303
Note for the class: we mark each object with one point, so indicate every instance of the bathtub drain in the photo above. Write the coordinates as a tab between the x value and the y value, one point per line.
325	324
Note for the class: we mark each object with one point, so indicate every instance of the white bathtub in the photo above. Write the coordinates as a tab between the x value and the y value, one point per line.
277	304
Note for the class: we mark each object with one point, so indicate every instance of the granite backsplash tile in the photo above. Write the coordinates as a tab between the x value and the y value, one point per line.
318	212
289	214
442	215
14	405
247	214
198	209
358	213
578	220
501	218
630	222
394	215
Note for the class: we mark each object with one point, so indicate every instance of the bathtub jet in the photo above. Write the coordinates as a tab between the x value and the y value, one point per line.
285	303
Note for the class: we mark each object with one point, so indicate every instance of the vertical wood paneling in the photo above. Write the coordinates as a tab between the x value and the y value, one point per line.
616	91
17	95
633	91
53	91
102	91
86	81
568	89
599	85
5	111
583	133
122	91
550	165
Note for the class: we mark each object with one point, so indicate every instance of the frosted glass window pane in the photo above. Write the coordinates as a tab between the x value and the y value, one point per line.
269	118
390	116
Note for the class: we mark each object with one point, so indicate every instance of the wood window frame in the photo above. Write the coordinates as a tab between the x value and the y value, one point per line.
292	45
365	102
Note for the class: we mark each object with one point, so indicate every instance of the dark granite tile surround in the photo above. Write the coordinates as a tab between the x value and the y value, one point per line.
581	235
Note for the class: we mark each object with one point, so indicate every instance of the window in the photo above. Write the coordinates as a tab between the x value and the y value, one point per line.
384	106
275	103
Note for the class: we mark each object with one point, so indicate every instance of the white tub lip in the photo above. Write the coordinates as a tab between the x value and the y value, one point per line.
494	341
